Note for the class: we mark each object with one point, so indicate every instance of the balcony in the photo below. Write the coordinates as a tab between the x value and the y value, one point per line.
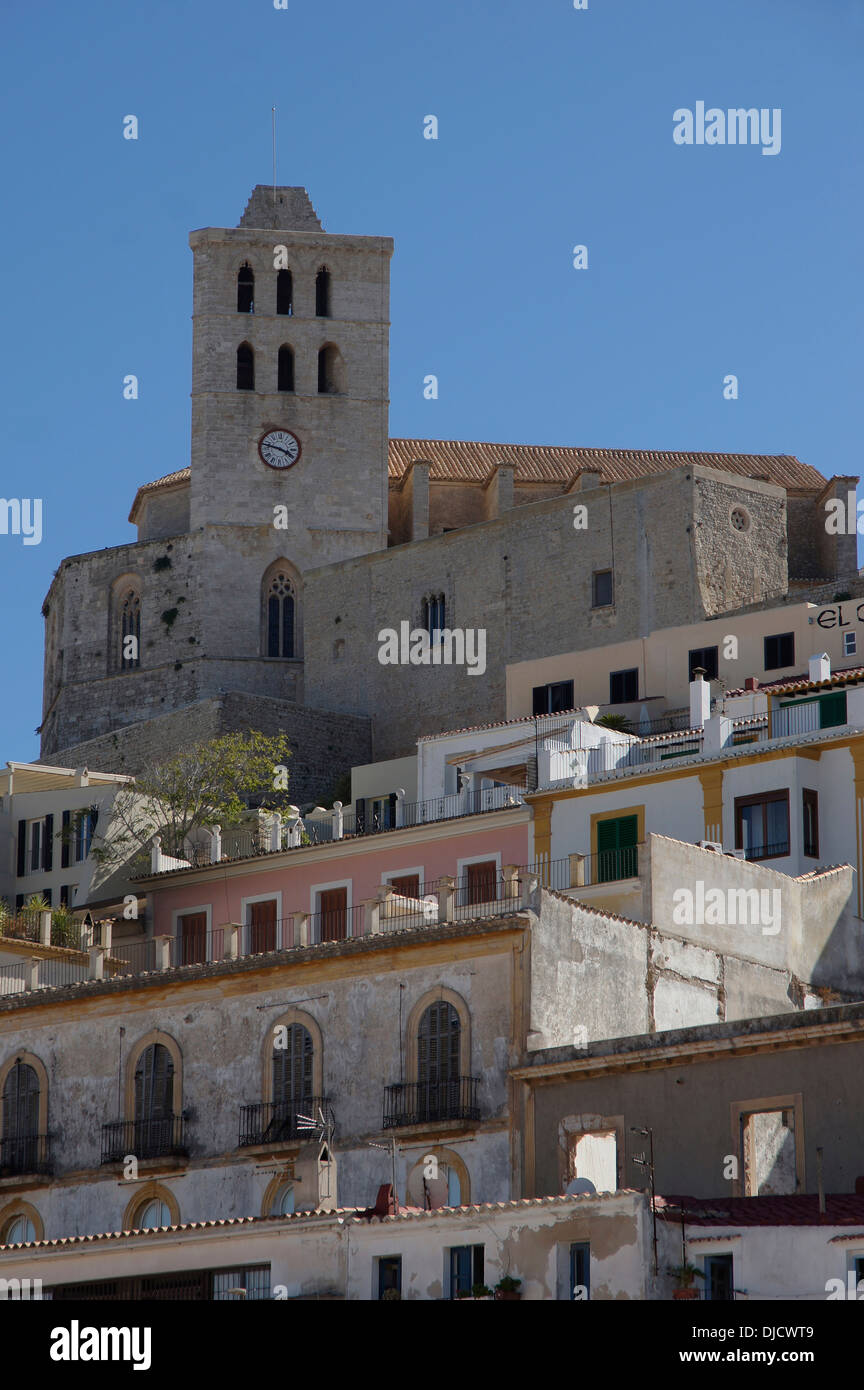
163	1137
25	1155
586	870
425	1102
277	1122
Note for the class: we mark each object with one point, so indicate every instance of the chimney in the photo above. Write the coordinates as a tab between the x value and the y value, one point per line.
700	698
751	683
820	667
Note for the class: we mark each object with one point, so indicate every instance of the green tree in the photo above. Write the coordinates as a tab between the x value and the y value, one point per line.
206	784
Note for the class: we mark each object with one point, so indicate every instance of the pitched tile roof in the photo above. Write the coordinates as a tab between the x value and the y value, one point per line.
800	1209
471	461
791	684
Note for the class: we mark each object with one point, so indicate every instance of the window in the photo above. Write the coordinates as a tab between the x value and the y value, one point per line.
433	617
467	1268
329	371
36	838
280	608
129	630
284	1203
245	290
284	292
245	368
252	1283
850	644
67	894
549	699
706	657
762	825
380	813
602	590
19	1230
322	293
154	1102
408	885
438	1057
780	651
151	1214
623	686
481	883
19	1118
285	373
432	1186
769	1152
262	926
594	1157
617	849
333	914
192	936
719	1281
85	826
580	1271
389	1275
292	1071
810	812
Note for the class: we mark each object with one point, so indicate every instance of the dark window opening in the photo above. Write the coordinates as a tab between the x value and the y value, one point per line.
580	1271
780	651
280	617
130	630
286	369
389	1274
623	686
328	367
467	1268
322	293
433	617
762	825
245	368
810	810
284	292
706	657
602	592
192	931
719	1283
245	290
549	699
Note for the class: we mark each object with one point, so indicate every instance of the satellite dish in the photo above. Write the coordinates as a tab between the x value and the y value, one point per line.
579	1187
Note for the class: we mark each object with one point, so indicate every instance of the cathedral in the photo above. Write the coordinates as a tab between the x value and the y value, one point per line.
264	571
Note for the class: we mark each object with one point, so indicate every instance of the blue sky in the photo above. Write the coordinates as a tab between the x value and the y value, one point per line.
555	129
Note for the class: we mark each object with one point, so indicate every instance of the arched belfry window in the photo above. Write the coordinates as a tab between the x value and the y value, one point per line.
323	293
284	292
129	629
245	368
331	375
285	380
245	290
280	614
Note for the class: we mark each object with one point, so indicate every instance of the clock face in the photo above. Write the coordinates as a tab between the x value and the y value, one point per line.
279	448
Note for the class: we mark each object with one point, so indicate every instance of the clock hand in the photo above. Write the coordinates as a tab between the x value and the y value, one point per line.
277	447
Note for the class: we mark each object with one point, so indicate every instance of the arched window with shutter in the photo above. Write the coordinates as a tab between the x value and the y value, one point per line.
19	1135
292	1079
154	1101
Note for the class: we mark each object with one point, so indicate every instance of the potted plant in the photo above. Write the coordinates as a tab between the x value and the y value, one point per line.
391	1296
685	1275
508	1288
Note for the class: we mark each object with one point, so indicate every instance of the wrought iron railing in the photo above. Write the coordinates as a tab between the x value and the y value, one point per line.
163	1136
423	1102
30	1153
277	1122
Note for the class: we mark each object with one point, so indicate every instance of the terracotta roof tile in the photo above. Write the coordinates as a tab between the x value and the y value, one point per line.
791	684
801	1209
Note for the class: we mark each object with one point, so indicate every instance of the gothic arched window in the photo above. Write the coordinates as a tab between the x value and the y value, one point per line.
284	292
245	290
286	368
322	293
280	614
245	368
331	379
129	629
154	1101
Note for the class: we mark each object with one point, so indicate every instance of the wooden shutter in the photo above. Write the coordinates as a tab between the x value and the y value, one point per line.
64	841
334	914
21	1103
292	1068
482	881
616	848
48	844
22	848
154	1084
438	1041
262	921
193	938
408	885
